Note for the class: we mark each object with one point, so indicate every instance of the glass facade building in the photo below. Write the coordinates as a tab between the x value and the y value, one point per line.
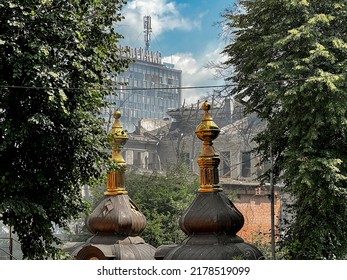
147	90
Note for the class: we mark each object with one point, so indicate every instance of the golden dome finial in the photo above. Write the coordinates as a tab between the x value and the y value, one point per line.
209	160
117	114
207	130
118	138
206	106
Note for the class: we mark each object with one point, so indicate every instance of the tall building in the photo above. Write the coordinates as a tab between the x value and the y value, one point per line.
148	88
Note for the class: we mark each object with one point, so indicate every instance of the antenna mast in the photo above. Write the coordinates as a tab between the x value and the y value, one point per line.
147	30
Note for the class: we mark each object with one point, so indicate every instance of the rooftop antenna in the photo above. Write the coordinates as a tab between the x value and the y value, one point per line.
147	30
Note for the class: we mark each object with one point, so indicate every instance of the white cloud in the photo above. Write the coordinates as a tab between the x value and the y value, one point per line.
195	73
165	16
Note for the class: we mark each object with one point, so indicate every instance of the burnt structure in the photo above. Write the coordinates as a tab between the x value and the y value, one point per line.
212	221
116	222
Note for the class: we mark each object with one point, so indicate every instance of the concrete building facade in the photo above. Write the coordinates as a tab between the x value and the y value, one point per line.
148	89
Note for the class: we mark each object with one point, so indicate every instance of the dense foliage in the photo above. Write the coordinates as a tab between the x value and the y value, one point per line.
287	59
56	58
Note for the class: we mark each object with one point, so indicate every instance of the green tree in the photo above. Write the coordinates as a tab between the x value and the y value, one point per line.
288	61
57	59
163	199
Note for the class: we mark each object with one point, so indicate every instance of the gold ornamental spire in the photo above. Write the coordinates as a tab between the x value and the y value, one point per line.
118	137
209	160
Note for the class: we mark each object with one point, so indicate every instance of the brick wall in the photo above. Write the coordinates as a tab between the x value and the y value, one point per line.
256	210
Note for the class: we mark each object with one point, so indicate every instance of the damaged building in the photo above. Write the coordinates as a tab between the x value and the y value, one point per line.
157	144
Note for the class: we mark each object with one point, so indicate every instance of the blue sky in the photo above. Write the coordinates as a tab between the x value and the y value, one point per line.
184	31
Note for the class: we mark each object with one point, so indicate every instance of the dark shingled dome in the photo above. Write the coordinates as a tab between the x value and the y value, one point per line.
212	221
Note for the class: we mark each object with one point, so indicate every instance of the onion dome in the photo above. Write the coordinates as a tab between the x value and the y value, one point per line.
212	221
117	213
116	221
